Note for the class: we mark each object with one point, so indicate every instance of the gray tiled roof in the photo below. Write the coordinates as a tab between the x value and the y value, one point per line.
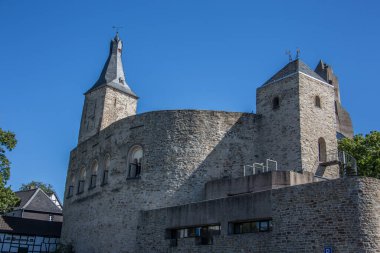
16	225
113	73
36	200
25	196
291	68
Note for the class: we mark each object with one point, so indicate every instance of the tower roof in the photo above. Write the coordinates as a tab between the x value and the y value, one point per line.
113	73
293	67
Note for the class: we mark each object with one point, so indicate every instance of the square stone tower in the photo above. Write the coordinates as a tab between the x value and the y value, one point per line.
110	98
298	127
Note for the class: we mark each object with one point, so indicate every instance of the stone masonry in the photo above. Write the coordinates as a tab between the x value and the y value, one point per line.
183	154
341	213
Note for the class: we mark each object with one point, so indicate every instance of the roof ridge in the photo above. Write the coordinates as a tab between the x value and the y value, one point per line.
31	198
296	66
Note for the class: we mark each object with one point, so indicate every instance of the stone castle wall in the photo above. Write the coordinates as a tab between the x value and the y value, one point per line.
91	114
289	134
342	214
280	127
102	107
117	105
317	122
182	151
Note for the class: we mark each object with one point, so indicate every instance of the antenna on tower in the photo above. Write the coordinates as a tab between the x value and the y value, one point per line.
287	52
298	53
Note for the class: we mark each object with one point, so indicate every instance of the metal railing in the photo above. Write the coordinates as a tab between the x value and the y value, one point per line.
258	168
347	163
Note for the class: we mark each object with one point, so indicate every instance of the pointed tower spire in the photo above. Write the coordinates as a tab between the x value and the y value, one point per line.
110	99
113	73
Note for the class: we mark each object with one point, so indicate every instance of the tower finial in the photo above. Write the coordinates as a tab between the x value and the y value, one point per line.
117	28
287	52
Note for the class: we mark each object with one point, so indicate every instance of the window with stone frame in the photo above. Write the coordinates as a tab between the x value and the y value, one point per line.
70	190
134	161
94	172
107	163
81	181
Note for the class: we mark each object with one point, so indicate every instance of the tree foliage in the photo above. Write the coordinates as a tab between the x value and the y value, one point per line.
366	151
47	188
7	197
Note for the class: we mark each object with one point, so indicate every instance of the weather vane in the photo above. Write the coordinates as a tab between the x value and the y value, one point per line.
298	53
289	54
117	28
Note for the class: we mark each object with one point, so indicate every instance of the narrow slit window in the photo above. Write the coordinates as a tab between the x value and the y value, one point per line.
318	101
276	103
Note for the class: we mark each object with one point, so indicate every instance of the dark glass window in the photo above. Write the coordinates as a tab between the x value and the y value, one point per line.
134	169
70	191
251	226
134	162
80	186
105	177
203	234
92	182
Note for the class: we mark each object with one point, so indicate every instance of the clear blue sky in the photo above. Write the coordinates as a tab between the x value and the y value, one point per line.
177	54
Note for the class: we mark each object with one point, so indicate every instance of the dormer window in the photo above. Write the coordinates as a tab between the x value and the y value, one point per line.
317	102
276	103
134	162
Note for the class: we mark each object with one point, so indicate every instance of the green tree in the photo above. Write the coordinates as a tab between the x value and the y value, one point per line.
366	151
47	188
8	199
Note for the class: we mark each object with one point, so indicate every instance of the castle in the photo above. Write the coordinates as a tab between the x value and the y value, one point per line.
215	181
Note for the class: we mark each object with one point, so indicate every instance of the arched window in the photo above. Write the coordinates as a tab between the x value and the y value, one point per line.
322	150
94	173
70	190
276	103
134	162
107	163
81	181
317	102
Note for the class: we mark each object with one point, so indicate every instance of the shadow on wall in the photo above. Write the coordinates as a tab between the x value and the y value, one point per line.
234	147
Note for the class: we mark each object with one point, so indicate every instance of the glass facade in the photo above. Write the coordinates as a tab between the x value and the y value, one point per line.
27	244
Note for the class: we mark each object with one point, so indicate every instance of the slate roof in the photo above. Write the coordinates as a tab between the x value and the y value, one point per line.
37	200
293	67
25	196
113	73
16	225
